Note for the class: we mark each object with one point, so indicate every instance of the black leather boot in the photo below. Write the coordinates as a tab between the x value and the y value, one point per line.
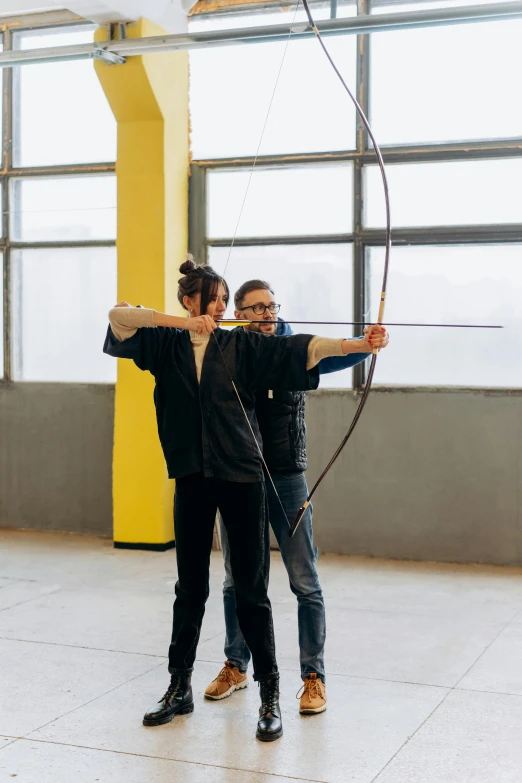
176	701
270	726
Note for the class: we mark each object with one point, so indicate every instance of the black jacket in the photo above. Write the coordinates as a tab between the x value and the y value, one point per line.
281	415
201	426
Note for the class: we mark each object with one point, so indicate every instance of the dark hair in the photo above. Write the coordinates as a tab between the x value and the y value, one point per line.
250	285
199	280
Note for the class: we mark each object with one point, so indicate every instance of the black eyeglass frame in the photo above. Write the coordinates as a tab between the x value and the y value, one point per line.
272	309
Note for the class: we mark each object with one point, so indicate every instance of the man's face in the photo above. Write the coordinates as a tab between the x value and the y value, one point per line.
258	297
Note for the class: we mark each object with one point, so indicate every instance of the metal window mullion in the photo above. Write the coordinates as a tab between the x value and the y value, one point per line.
65	244
7	102
359	304
447	235
6	265
443	153
72	170
291	239
455	151
197	233
276	160
362	94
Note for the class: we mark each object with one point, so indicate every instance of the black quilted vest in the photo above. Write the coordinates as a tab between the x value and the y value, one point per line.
281	417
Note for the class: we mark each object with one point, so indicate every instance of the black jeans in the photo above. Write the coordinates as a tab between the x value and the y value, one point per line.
243	508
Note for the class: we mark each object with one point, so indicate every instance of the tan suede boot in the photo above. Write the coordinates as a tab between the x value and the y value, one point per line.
229	679
313	696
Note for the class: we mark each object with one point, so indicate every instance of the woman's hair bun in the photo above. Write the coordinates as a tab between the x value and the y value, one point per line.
188	265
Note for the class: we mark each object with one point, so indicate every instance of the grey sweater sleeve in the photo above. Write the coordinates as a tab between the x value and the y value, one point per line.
125	321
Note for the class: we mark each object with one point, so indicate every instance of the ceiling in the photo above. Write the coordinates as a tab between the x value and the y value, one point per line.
170	14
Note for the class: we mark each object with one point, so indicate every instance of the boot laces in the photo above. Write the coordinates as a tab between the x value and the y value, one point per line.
227	675
310	688
174	687
269	695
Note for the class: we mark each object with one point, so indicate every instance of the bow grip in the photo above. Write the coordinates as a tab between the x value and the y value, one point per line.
380	317
298	518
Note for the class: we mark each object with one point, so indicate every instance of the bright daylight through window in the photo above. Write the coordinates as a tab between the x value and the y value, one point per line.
442	101
309	218
61	122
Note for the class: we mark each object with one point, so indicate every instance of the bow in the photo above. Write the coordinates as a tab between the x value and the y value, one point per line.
380	317
293	527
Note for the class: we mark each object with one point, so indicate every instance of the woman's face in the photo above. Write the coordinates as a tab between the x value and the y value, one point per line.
216	306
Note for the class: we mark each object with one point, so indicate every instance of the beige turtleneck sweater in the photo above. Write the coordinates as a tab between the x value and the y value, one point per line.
125	321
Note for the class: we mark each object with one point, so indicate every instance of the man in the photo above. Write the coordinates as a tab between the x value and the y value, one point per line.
281	420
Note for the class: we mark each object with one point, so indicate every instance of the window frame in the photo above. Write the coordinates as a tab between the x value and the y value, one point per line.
9	172
362	237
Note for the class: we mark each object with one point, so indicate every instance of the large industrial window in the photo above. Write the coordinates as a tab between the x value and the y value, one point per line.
58	230
310	219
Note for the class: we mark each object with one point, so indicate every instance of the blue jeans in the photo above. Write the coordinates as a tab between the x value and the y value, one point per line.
299	557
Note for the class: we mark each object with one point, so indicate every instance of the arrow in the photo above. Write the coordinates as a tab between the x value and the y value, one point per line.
361	323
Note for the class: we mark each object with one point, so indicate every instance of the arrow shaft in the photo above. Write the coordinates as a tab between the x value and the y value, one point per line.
363	323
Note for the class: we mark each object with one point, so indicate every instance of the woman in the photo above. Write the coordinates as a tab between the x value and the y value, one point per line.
210	450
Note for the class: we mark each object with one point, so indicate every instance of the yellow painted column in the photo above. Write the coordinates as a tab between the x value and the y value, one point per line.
149	98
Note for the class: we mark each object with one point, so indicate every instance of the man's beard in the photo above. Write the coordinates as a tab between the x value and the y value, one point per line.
272	326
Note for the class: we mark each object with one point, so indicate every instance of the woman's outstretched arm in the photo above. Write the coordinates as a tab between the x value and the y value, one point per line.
125	321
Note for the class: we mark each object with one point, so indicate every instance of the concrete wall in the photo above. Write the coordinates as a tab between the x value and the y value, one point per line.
56	457
428	475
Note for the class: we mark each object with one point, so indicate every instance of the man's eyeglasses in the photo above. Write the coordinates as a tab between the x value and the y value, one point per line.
260	309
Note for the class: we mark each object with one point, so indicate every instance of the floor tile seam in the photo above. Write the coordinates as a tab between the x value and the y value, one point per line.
214	636
486	648
81	647
426	615
143	591
170	758
217	593
12	741
281	668
408	740
83	587
353	676
412	735
515	619
90	701
437	707
10	582
28	600
393	682
67	588
487	693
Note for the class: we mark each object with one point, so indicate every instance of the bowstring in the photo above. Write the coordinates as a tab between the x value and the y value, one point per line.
256	156
249	182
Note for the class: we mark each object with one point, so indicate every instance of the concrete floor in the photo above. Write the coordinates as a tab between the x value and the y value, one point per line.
424	663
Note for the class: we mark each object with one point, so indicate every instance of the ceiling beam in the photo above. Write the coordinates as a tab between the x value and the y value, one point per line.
349	26
171	16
